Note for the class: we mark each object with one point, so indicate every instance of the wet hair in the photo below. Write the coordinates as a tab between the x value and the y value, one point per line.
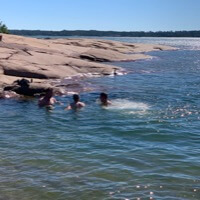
104	95
49	92
76	97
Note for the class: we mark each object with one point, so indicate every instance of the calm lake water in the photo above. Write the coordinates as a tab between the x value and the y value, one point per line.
145	146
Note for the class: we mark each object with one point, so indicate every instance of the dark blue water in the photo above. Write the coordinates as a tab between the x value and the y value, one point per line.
145	146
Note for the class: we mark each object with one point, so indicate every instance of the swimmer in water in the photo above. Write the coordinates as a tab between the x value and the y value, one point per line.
48	100
77	104
104	99
8	95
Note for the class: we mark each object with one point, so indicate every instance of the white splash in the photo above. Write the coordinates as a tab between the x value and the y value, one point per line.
128	106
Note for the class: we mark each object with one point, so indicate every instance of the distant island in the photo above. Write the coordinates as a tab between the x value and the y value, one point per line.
106	33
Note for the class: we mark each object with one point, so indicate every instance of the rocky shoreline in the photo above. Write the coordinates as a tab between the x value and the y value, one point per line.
42	60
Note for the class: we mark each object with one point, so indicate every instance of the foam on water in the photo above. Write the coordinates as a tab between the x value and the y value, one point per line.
127	106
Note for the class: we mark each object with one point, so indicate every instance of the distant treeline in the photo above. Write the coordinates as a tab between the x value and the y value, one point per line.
107	33
3	28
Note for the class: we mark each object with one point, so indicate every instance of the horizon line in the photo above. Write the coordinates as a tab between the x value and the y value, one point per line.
99	30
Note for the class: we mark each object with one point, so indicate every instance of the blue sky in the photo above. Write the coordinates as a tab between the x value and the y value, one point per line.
117	15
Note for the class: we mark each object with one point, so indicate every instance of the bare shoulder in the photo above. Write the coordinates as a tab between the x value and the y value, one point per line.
109	103
54	99
81	104
68	107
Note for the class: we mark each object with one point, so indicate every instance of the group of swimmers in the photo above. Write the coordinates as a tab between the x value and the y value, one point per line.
48	100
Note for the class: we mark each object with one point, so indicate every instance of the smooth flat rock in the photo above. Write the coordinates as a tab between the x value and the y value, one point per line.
60	58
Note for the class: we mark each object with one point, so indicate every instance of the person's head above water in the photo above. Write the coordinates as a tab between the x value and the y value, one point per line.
103	97
77	104
76	98
47	99
49	93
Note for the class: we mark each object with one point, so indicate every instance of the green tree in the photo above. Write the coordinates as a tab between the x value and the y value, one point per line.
3	28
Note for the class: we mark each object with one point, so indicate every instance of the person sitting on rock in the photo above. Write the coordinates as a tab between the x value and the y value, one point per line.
104	99
23	82
48	99
77	104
